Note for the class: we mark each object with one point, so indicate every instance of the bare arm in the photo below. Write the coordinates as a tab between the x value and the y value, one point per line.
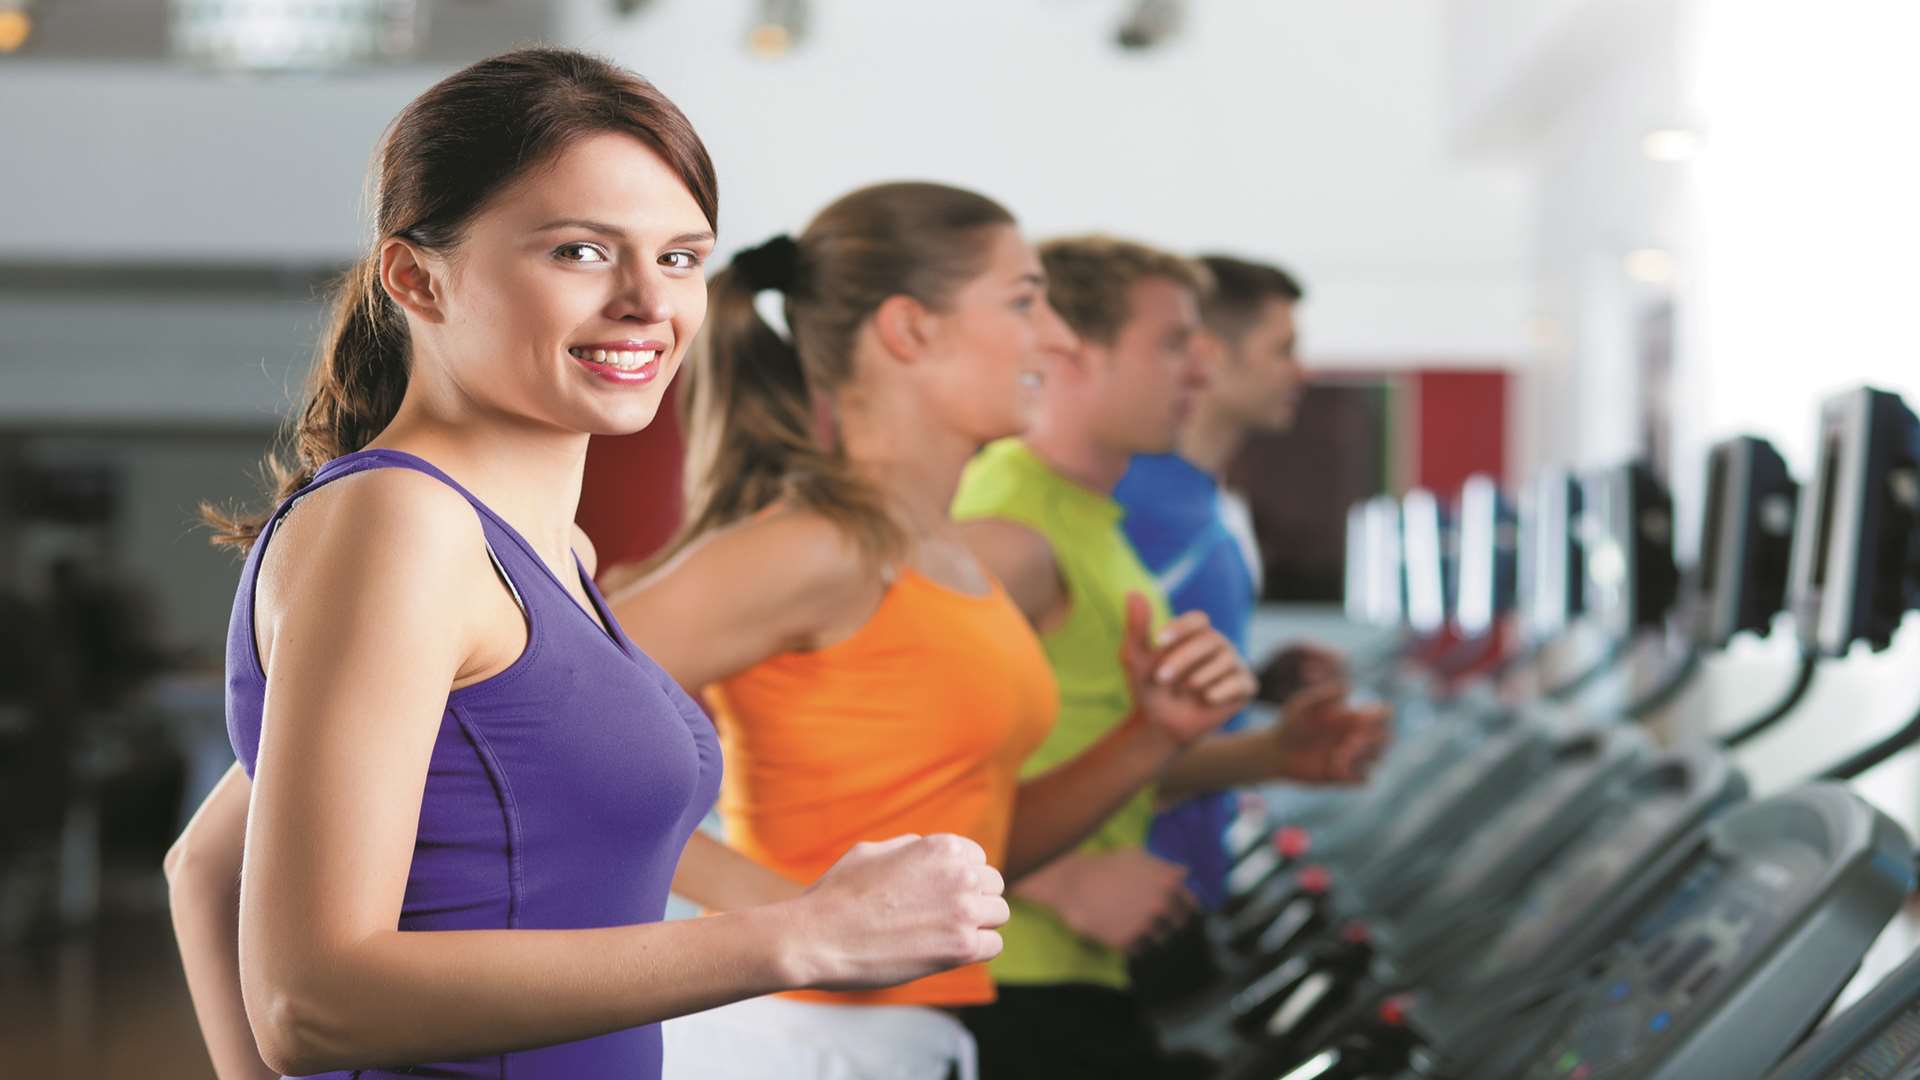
719	878
1318	739
1023	561
1220	763
783	581
360	647
203	890
1185	680
1060	808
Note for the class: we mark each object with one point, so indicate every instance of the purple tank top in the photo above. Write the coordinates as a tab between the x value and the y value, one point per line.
560	793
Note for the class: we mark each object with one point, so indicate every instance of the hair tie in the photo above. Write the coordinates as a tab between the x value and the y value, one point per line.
773	265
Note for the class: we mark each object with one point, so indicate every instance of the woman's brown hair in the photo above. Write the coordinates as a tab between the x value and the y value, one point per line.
451	150
759	402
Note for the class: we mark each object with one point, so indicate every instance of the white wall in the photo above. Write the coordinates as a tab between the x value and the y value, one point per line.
1802	275
1293	129
145	162
1794	232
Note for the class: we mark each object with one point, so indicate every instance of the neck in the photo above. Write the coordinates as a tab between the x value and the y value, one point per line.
1210	439
913	461
1072	451
529	474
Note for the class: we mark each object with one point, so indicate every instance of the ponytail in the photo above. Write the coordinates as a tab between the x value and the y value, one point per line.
758	406
358	379
754	433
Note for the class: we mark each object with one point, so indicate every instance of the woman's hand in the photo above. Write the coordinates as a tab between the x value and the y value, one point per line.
1322	738
897	910
1186	680
1125	900
1297	667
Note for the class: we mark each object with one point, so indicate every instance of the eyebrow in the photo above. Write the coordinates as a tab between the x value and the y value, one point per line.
704	236
1032	279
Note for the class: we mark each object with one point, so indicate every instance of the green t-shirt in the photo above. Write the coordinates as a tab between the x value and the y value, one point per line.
1099	567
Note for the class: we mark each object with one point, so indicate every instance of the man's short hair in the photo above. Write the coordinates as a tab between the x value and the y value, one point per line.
1241	289
1088	278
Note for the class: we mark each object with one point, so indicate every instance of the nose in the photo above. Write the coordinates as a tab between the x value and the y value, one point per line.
641	297
1193	369
1056	337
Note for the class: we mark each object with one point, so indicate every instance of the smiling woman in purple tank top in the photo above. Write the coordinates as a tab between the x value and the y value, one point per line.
468	789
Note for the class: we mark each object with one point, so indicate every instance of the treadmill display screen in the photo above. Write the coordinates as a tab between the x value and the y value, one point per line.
1829	493
1894	1054
1717	525
1707	925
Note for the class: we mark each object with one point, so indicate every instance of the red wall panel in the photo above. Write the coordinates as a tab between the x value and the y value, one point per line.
1462	428
630	502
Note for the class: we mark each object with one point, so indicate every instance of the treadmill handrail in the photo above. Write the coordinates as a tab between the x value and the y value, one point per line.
1802	680
1675	683
1852	766
1616	651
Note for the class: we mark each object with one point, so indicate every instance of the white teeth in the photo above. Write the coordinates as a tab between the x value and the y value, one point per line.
626	360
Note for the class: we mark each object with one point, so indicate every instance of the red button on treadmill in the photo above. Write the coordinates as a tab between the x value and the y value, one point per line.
1315	880
1292	841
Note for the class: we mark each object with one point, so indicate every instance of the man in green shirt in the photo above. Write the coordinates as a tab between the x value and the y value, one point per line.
1042	517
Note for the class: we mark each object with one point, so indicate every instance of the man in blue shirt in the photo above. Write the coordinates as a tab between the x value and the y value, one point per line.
1195	535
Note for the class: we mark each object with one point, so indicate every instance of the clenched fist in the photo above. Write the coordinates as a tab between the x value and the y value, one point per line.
900	909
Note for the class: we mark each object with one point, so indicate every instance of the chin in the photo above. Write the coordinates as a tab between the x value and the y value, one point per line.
1160	445
631	417
1280	422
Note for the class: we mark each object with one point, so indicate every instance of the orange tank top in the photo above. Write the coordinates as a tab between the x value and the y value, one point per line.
917	723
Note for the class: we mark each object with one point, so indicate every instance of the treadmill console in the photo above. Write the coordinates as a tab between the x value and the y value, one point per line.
1853	554
1878	1038
1754	927
1745	540
1386	565
1354	599
1627	527
1424	536
1487	538
1628	834
1580	763
1552	557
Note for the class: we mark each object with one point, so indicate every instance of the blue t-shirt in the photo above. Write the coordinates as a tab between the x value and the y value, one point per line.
1183	527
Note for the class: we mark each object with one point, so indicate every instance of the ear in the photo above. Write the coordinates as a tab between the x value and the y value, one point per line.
903	325
408	279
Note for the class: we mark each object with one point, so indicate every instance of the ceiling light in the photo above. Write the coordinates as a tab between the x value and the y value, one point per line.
1670	146
295	34
1650	266
16	25
777	28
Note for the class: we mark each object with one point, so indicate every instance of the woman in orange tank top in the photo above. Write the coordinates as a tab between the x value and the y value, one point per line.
868	677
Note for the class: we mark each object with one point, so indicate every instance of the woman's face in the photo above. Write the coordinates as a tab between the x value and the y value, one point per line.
571	299
994	342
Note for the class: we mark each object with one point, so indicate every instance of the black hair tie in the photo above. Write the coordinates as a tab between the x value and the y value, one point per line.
773	265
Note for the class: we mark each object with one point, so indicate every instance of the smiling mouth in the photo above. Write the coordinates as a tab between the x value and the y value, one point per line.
621	359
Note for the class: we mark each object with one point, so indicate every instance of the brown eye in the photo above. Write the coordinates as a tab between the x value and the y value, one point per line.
580	253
